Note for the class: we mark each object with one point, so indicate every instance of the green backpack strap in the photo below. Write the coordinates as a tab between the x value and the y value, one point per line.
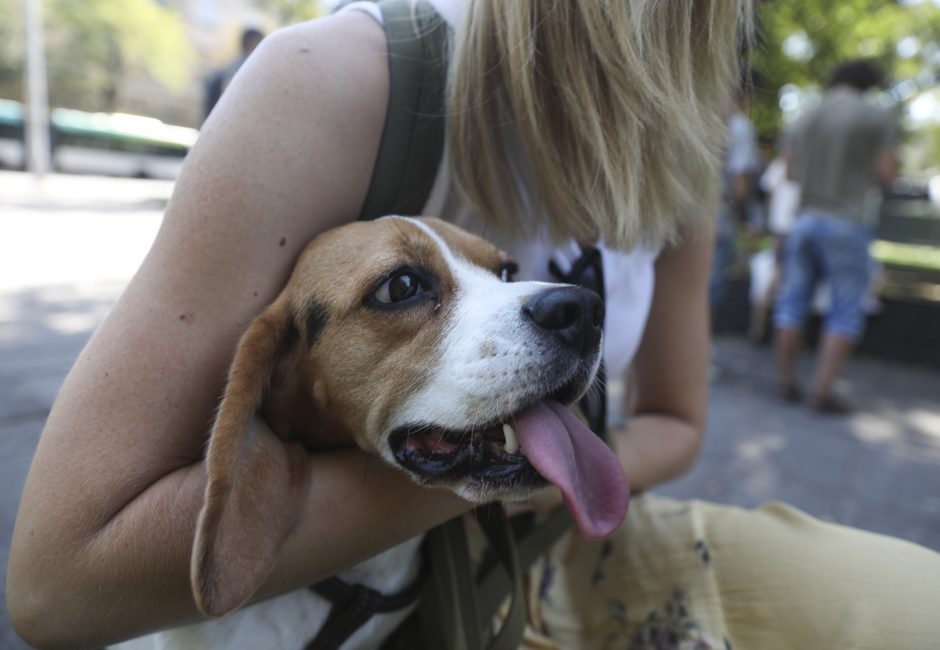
458	607
530	541
412	142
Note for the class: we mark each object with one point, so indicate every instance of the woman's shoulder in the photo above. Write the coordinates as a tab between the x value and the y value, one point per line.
329	72
331	48
285	154
300	123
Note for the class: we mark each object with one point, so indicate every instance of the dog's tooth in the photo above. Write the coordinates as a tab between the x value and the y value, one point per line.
512	443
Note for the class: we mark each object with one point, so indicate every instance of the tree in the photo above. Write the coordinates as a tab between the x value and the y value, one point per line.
93	46
801	41
12	49
288	12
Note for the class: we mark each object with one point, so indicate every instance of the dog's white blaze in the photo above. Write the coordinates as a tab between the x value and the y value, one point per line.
488	358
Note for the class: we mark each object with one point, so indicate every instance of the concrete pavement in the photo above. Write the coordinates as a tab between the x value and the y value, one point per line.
68	247
878	469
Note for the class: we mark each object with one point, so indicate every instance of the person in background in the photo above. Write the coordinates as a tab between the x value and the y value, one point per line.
221	78
782	204
841	154
738	174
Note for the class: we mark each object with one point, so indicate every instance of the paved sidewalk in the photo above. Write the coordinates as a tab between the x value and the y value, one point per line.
68	249
878	469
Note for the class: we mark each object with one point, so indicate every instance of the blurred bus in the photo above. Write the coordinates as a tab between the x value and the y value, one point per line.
12	152
111	144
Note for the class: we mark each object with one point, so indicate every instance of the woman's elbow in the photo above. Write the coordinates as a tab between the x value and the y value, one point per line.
38	602
33	615
695	439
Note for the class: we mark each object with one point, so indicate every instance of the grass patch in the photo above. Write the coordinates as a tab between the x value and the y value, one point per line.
912	256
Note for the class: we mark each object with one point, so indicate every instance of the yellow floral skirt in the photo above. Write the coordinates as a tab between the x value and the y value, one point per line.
689	574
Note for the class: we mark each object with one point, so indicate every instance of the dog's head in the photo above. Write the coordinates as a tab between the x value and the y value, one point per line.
406	338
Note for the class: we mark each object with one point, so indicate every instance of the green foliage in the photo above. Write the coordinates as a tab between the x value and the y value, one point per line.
12	49
907	255
91	46
287	12
833	31
933	142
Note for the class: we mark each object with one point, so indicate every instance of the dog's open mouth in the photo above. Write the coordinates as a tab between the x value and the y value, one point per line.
544	442
489	455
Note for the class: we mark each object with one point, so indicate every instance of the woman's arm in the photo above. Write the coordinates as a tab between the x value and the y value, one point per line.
102	542
662	438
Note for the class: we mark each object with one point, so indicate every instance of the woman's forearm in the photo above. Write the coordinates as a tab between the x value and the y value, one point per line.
655	448
132	576
669	382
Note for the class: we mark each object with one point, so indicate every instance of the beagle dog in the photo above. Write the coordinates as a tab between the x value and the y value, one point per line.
404	337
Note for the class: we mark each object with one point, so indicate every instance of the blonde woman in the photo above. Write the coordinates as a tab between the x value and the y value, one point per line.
568	121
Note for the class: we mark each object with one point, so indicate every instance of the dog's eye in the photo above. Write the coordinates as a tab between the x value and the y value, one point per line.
507	271
399	288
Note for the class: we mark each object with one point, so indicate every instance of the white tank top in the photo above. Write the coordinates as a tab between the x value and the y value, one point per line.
629	277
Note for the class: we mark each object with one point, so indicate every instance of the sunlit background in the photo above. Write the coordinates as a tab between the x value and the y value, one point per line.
142	57
152	58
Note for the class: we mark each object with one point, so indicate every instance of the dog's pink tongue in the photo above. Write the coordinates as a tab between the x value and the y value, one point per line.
571	456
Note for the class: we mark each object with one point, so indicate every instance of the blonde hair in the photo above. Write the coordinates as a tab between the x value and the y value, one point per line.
618	105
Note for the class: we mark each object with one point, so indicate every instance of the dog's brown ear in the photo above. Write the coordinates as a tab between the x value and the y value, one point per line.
256	482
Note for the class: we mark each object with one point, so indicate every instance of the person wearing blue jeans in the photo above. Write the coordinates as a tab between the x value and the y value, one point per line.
839	153
823	247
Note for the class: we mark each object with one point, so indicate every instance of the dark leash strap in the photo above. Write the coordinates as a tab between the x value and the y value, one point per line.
354	605
468	600
588	272
532	540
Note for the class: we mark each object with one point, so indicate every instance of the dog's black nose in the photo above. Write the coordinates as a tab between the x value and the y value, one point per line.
573	314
